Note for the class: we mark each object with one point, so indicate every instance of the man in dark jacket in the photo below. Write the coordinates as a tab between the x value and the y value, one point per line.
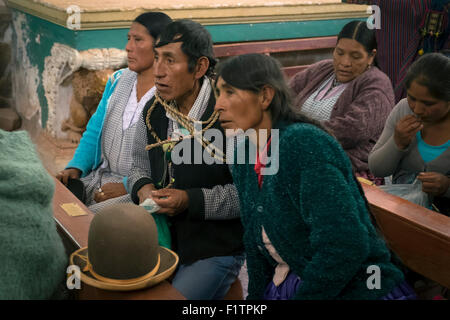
198	196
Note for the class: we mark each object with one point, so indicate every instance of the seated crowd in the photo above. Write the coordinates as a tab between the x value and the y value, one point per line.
292	207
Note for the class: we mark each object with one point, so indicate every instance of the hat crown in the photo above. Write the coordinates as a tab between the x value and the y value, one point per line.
123	242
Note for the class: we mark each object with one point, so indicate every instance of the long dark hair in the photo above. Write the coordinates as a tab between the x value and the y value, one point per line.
196	42
432	71
154	22
254	71
357	30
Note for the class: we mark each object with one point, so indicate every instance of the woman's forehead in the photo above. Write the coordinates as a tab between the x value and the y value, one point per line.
137	28
350	45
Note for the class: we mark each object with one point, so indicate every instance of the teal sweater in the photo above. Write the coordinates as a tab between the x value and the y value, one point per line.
316	218
32	256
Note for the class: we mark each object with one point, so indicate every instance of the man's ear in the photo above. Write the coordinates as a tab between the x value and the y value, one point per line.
202	67
266	95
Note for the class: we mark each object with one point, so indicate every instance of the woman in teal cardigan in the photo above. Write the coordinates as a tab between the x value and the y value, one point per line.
308	232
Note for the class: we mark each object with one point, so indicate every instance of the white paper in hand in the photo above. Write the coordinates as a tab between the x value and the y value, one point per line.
150	205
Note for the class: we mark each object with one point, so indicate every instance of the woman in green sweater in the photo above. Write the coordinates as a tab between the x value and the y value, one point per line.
33	261
308	232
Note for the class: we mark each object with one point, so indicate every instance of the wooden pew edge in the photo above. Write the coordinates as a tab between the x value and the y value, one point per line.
79	225
390	210
66	232
411	213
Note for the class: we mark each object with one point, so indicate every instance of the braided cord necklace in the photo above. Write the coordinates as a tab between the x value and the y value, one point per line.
188	123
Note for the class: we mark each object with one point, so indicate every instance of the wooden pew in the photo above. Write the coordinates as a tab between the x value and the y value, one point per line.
289	72
74	231
274	46
420	237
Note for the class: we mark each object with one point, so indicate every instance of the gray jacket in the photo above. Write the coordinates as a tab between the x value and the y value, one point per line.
387	159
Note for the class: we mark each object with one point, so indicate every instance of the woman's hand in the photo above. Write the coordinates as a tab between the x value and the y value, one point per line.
65	174
109	191
434	183
405	130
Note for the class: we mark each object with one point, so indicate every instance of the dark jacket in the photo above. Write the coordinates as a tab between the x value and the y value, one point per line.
193	237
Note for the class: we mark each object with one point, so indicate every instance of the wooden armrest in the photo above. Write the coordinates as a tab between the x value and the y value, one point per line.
420	237
76	229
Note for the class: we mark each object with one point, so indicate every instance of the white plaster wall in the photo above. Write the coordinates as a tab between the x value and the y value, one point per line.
59	66
26	75
62	100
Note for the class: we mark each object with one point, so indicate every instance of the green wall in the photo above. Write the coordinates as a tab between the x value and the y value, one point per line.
276	30
116	38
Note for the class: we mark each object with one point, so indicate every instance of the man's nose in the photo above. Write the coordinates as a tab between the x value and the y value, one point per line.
219	106
159	69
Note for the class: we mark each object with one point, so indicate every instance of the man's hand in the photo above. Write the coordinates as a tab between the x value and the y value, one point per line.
171	201
109	191
145	192
434	183
65	174
405	130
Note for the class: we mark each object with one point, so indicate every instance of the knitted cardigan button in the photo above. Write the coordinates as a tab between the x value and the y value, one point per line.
260	209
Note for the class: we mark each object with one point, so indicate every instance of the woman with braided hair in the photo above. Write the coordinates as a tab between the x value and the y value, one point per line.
348	94
102	160
307	229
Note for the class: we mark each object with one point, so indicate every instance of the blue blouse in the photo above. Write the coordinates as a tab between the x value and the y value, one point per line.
429	152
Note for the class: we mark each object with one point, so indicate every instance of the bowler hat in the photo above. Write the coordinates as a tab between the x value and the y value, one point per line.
123	252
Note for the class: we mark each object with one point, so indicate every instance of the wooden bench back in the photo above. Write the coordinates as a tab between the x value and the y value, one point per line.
420	237
274	46
291	71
